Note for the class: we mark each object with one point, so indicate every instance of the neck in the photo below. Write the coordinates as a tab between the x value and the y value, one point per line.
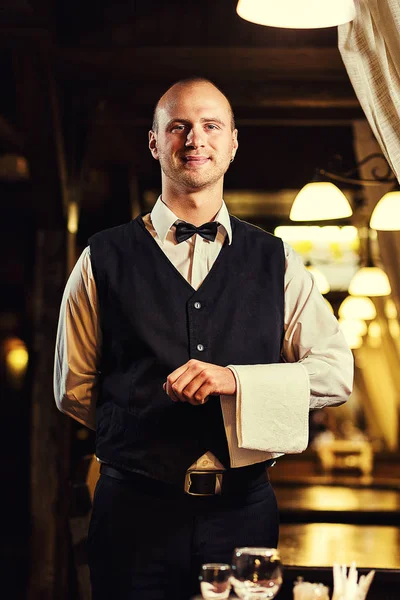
194	206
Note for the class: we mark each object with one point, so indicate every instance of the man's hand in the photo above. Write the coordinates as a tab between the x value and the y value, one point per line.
195	381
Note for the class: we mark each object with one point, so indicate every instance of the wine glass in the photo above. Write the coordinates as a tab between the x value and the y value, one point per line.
215	581
256	573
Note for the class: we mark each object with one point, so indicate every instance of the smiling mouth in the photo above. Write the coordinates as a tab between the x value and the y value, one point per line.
195	160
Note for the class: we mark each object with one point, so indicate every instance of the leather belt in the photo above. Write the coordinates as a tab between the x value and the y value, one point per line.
198	483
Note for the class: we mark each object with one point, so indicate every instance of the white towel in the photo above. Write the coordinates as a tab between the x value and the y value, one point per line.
270	414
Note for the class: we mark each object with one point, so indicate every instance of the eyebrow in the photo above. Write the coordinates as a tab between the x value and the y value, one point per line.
202	120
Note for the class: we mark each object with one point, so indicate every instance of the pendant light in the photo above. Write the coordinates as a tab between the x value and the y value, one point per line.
297	14
386	214
357	307
320	201
369	280
354	326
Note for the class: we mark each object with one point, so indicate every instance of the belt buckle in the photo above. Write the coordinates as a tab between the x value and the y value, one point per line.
218	483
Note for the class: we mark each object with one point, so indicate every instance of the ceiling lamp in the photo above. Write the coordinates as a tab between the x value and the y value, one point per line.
320	201
296	14
386	214
320	279
357	307
354	326
370	281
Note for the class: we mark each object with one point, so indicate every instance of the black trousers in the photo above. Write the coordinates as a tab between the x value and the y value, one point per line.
146	543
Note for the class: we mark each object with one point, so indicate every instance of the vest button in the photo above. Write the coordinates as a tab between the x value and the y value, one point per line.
200	347
197	305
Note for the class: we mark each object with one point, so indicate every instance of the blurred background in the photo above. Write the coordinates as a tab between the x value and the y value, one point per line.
79	81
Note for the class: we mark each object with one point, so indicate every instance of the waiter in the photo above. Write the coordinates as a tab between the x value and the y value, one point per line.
195	344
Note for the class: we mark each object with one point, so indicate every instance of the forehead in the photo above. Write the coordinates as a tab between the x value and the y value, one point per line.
193	101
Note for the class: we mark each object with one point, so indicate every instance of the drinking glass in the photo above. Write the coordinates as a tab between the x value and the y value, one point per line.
256	573
215	581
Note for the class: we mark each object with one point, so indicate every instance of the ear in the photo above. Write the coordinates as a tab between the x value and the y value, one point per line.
153	144
235	143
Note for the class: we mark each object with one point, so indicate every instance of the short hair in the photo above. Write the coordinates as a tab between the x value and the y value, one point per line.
188	81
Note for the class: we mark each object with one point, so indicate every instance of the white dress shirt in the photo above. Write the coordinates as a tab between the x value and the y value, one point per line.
268	416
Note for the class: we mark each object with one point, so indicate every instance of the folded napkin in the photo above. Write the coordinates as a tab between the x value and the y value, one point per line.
348	586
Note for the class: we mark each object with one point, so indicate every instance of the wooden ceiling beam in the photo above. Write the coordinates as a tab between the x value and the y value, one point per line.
163	63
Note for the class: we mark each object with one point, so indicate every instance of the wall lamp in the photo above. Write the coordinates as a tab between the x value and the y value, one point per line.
323	200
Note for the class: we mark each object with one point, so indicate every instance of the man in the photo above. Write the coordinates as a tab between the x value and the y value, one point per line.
201	343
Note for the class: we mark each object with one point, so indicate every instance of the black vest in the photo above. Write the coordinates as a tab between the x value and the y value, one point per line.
153	321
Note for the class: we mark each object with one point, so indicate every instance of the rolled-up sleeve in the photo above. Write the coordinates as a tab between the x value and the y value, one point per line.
78	346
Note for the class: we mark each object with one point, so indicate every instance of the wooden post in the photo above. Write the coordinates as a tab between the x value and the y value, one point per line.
50	434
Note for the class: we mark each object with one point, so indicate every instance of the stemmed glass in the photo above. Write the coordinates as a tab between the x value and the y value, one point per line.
256	573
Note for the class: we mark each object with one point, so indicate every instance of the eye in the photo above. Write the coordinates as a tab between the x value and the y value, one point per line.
178	127
211	126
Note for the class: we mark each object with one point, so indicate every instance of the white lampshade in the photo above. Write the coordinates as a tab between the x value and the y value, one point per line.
297	14
320	279
353	326
386	214
370	281
320	201
357	307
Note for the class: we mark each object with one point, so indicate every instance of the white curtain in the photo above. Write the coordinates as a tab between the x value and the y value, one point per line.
370	48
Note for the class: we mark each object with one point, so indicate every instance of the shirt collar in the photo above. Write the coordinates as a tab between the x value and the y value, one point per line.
163	219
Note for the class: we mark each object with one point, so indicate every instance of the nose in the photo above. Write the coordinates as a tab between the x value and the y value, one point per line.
195	138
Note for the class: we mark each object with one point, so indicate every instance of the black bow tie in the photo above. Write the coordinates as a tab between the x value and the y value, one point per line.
184	231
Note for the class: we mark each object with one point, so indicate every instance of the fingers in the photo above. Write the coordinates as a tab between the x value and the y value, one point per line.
184	382
195	381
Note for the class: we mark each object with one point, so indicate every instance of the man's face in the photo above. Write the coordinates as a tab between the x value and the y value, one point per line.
194	141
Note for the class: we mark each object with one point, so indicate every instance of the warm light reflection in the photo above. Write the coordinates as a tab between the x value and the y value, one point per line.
370	281
374	330
316	233
357	307
390	309
394	328
374	335
16	359
73	217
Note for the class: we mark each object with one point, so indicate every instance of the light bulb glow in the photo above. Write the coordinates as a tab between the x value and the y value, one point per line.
73	217
390	309
320	201
293	14
394	328
370	281
386	214
355	326
374	330
357	307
